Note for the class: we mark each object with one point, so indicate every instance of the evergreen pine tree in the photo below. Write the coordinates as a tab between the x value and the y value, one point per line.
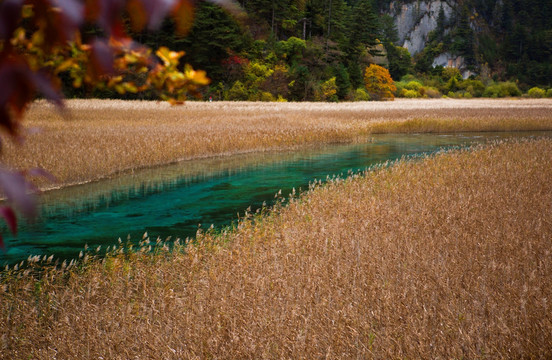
464	38
342	81
355	75
213	35
441	21
363	29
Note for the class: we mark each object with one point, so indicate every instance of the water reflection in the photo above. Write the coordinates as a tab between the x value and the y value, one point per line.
172	200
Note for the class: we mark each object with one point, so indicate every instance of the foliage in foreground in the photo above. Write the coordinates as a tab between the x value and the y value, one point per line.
44	44
449	257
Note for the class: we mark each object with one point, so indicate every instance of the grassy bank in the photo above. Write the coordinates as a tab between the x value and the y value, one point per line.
449	257
97	138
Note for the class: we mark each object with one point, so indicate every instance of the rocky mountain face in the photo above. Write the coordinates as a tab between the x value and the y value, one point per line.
503	39
416	20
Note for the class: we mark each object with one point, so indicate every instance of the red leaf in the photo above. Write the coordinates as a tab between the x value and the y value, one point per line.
44	86
72	10
9	215
102	58
183	15
7	121
10	13
137	14
16	92
14	186
106	13
19	86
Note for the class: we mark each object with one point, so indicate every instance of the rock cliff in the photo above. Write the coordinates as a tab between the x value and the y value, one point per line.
416	20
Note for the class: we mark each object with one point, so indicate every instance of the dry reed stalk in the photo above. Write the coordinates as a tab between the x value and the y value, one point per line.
102	137
447	257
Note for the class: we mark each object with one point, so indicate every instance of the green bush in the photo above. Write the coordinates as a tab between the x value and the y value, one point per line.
361	95
492	91
501	90
237	92
408	78
400	87
536	93
266	96
474	87
549	93
411	94
449	73
413	85
510	88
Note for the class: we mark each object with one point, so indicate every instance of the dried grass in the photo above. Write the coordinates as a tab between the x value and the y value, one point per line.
448	257
97	138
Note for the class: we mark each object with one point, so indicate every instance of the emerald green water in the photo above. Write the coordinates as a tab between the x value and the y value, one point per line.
172	200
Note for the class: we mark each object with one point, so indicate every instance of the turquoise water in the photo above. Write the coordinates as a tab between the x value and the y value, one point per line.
173	200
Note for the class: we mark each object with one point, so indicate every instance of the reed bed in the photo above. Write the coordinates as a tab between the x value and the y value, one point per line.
446	257
93	139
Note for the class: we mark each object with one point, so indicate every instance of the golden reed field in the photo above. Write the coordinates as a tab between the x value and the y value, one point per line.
97	138
448	257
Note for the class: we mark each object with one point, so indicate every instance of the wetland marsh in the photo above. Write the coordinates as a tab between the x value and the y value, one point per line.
446	257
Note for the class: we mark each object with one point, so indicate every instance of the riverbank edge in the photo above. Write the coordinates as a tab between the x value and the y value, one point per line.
411	126
359	126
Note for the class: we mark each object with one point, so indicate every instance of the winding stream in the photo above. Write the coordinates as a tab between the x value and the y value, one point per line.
172	200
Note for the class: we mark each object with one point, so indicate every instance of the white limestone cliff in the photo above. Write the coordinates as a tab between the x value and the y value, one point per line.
416	20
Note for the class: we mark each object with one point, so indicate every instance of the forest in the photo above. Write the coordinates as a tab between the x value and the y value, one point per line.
318	50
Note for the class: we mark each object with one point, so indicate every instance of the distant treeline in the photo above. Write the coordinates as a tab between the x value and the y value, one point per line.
318	50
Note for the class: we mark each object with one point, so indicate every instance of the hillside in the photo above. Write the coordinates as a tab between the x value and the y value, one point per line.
508	39
318	50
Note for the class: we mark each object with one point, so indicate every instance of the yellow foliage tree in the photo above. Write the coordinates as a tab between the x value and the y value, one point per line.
379	83
327	91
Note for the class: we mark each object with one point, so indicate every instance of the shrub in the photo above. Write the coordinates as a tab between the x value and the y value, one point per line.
257	70
491	91
408	78
510	88
549	93
327	91
449	73
361	95
411	94
502	89
266	96
432	92
237	92
452	85
475	87
422	91
413	85
399	85
536	93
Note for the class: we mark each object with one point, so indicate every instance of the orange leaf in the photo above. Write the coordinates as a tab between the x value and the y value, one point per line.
138	15
183	15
